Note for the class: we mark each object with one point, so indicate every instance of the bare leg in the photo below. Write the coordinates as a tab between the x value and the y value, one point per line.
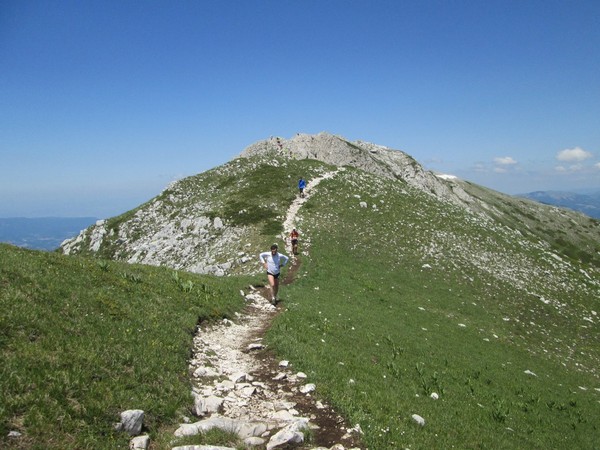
274	283
275	287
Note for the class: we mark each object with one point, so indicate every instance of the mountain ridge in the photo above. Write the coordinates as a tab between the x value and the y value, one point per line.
493	304
588	204
198	223
377	159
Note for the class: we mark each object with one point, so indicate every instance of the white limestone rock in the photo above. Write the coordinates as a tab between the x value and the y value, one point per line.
310	387
139	443
284	438
204	371
186	429
418	419
207	405
132	421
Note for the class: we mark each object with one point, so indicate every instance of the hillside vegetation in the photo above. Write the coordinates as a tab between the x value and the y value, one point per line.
212	223
217	221
411	296
82	340
409	285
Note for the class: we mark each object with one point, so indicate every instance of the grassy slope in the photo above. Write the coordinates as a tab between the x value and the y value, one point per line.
82	340
378	332
363	309
565	231
250	193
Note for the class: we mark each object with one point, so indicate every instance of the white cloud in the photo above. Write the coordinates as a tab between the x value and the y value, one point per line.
597	165
445	176
573	168
500	170
479	167
573	154
505	161
576	167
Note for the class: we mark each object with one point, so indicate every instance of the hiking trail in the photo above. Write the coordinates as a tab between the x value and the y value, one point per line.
240	387
290	218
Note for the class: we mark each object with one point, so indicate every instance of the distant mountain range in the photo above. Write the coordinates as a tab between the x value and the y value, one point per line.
42	233
586	203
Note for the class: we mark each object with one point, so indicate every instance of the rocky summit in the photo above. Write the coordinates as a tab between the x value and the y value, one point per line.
372	158
217	222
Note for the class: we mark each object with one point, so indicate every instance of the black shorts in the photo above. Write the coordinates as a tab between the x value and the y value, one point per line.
273	275
294	241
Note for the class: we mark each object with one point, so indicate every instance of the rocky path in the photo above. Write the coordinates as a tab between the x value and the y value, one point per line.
290	218
240	387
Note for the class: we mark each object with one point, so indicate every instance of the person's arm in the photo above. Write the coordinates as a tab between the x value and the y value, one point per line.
263	258
285	260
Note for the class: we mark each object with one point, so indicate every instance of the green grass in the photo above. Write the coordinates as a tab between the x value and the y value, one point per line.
253	191
393	303
213	437
82	340
378	333
561	229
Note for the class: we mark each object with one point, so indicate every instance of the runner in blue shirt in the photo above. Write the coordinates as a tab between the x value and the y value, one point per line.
301	186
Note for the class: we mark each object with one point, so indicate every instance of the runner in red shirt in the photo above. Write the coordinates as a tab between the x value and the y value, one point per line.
294	237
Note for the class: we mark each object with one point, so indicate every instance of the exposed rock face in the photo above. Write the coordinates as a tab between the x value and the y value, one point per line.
376	159
173	229
184	238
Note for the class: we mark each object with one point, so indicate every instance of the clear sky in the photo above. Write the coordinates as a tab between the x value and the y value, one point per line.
104	103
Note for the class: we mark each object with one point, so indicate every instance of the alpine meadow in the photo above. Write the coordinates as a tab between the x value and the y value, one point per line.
429	312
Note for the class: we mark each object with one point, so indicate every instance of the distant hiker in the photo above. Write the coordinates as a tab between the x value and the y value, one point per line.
294	237
301	186
273	262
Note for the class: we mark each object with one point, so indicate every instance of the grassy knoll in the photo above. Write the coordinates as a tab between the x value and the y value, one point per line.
414	297
82	340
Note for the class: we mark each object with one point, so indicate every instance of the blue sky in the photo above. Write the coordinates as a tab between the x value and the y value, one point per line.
103	103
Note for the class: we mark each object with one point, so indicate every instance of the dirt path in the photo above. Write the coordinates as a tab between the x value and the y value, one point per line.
260	387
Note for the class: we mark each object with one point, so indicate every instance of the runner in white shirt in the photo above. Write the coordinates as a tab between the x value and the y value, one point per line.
273	262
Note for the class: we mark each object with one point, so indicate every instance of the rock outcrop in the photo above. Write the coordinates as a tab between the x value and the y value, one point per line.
376	159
